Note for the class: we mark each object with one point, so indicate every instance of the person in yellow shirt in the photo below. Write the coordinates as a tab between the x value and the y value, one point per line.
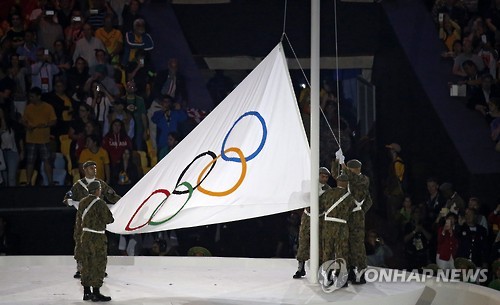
94	152
395	181
111	38
38	117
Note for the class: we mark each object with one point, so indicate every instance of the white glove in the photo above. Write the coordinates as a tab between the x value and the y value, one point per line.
339	155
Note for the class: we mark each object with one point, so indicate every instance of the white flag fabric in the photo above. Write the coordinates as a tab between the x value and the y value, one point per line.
248	158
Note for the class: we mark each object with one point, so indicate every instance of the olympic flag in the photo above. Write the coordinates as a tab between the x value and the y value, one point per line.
248	158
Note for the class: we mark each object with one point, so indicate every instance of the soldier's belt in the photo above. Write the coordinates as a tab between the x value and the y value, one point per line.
335	219
93	231
308	214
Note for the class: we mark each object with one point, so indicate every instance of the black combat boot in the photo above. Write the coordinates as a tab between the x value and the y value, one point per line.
87	294
98	297
351	277
301	271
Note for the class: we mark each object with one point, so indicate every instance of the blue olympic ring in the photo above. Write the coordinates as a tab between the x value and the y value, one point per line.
262	142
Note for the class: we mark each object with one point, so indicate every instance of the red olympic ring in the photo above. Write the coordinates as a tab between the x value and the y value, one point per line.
128	228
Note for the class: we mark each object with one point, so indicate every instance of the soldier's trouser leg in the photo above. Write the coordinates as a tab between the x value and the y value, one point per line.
304	239
94	259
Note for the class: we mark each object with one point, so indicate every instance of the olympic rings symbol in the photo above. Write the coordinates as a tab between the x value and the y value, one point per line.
202	176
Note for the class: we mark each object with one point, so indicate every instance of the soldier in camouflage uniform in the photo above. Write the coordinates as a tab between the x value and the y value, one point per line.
336	204
80	191
93	215
359	188
305	227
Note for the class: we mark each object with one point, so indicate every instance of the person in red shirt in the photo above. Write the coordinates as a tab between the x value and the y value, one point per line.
115	142
447	243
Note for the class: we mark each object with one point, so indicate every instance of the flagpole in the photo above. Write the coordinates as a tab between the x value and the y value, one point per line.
314	235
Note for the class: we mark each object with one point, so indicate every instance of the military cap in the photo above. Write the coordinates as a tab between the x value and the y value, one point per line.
93	186
354	163
88	163
342	177
324	170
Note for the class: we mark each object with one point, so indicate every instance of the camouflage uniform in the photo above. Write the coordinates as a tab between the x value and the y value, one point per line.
359	188
335	233
78	192
94	249
305	232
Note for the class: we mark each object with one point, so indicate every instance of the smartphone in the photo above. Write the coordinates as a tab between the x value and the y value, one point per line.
141	61
98	88
46	52
94	12
441	17
77	18
484	39
49	13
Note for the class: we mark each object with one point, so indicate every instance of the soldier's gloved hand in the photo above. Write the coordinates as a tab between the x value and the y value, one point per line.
339	155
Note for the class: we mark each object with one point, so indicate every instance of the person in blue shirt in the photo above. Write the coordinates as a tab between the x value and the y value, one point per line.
167	121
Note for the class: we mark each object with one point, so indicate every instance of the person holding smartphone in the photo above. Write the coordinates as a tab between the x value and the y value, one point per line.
48	30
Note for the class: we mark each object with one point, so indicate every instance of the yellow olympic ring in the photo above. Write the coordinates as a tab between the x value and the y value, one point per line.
238	183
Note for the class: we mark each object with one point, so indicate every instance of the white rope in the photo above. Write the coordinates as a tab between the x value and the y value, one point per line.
309	84
284	20
337	67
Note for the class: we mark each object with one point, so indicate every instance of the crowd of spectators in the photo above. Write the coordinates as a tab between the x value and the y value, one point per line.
77	79
470	31
443	231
